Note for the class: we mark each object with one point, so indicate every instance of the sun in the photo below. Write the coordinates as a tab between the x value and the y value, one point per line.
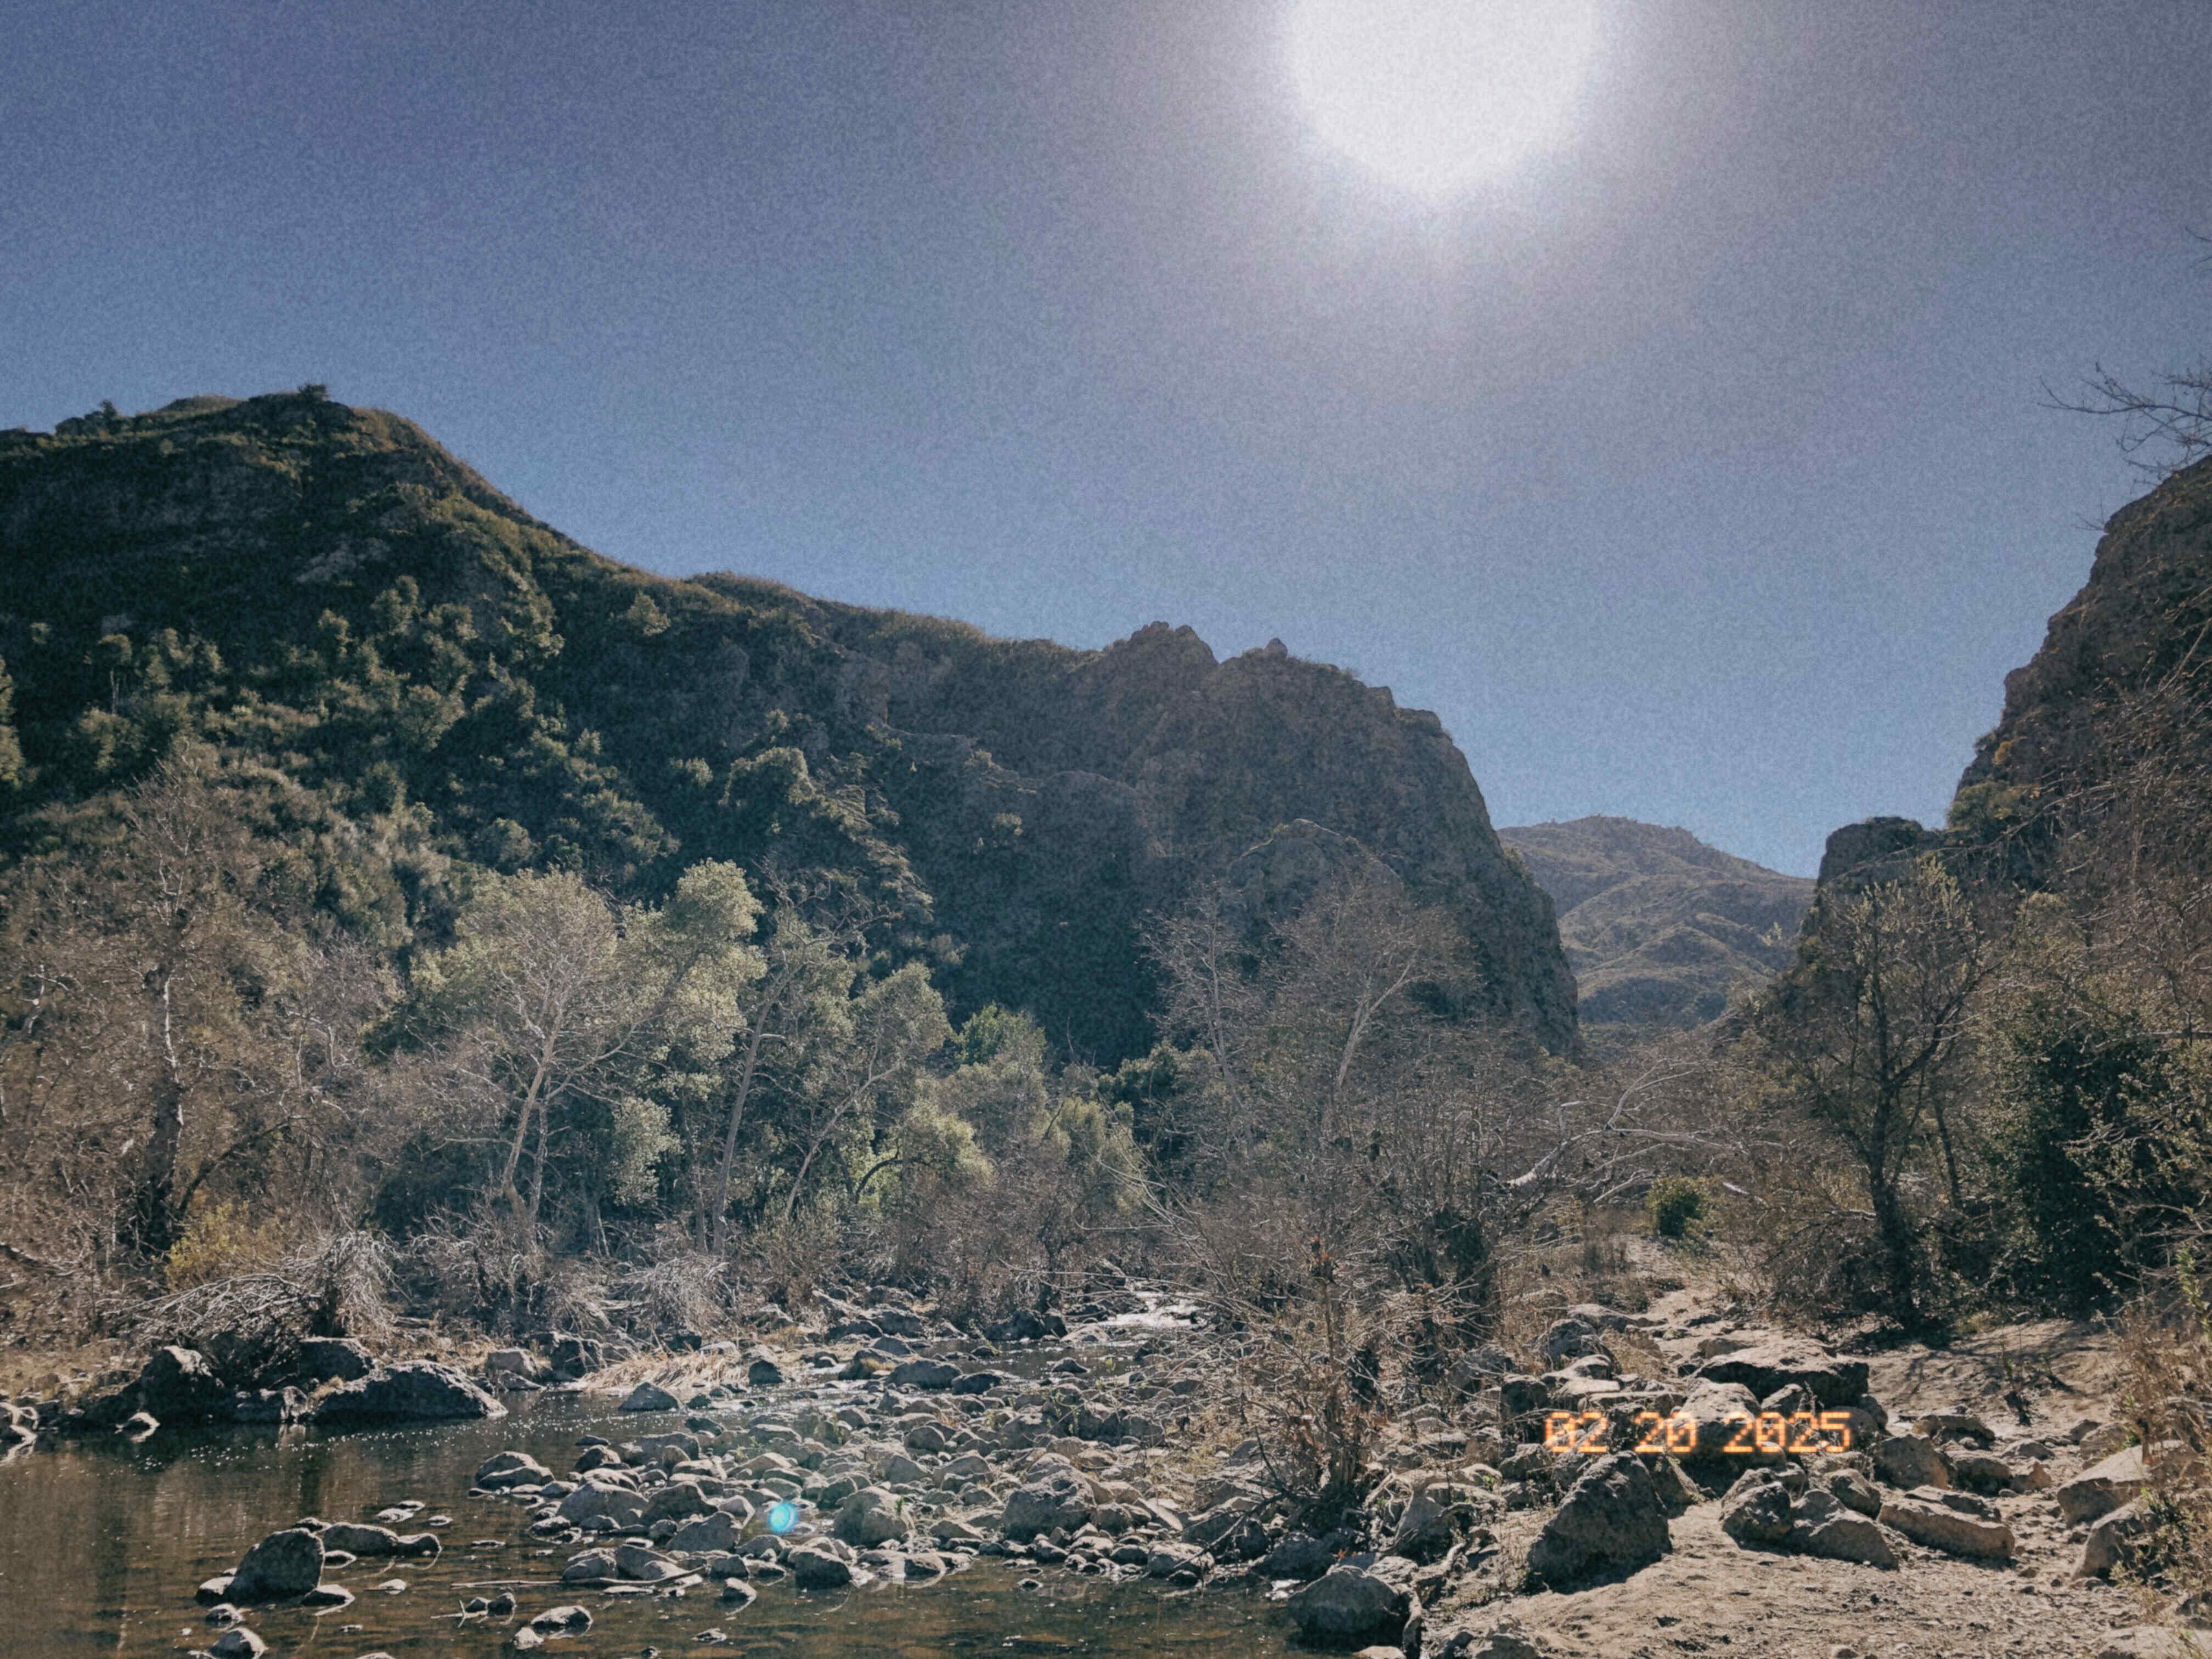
1434	95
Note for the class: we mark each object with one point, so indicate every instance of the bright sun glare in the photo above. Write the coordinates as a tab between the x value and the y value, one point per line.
1435	95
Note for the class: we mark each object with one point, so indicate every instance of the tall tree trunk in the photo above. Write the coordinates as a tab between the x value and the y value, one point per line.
720	1229
155	1219
537	1170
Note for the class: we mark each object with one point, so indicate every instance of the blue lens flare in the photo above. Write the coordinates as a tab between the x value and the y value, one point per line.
782	1517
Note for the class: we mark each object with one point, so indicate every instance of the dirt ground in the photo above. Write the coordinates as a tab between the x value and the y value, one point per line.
1712	1595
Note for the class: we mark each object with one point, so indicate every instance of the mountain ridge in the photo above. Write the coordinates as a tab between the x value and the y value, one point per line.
1659	927
330	590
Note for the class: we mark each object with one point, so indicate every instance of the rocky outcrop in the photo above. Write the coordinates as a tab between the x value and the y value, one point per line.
1611	1520
416	1390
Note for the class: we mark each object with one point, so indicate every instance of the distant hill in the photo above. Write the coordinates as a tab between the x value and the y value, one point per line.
326	594
1658	926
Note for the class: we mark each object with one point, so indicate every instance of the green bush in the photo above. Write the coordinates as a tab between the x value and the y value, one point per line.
1678	1206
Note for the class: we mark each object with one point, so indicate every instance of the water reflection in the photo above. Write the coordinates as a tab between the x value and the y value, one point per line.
102	1544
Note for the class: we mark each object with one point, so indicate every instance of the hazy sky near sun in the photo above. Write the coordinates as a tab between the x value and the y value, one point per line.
1693	468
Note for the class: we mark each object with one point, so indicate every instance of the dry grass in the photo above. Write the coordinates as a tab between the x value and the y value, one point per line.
2167	1400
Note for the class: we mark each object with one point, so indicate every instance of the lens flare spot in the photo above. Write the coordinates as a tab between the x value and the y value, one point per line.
782	1517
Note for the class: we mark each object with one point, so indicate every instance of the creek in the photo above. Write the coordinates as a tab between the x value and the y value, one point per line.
103	1543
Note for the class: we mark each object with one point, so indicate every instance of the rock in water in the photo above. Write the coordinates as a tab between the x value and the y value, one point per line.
416	1390
1611	1519
360	1539
284	1564
815	1567
707	1534
509	1469
179	1385
650	1397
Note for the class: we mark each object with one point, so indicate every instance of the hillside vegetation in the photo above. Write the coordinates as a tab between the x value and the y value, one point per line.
1660	929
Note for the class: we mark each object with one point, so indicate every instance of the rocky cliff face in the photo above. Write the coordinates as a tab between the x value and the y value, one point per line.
1659	927
2143	619
2124	675
327	589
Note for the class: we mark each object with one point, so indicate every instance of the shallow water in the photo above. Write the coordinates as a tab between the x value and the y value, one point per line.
102	1545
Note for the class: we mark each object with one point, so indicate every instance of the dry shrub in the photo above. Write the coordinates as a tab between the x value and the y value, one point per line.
249	1324
220	1241
791	1258
687	1290
2167	1350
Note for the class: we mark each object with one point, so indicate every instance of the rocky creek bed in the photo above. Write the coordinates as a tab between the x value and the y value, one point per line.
884	1483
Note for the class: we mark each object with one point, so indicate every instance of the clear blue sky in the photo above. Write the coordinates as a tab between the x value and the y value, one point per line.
1692	470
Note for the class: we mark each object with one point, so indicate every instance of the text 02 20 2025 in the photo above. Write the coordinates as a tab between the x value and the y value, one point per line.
1767	1434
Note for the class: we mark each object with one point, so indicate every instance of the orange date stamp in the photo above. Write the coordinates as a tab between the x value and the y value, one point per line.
1767	1434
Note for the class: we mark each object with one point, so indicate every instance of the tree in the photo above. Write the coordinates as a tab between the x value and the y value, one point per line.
1865	1035
550	995
869	1059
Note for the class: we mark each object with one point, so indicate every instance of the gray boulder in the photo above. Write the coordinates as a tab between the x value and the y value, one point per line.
1930	1521
1059	1498
1819	1525
1756	1512
502	1470
815	1567
870	1517
238	1643
591	1567
1509	1640
721	1530
1611	1520
1855	1491
1300	1555
2100	1490
561	1621
619	1504
641	1564
1351	1601
333	1359
649	1397
416	1390
357	1540
924	1374
2112	1541
1912	1459
680	1500
1570	1339
179	1385
1832	1379
1720	1413
285	1564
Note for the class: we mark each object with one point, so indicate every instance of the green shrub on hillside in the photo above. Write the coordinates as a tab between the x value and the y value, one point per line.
1678	1206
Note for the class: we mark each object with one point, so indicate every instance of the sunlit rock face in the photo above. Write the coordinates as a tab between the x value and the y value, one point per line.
355	607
